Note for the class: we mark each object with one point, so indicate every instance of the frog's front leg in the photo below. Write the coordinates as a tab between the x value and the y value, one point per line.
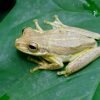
55	63
40	62
81	61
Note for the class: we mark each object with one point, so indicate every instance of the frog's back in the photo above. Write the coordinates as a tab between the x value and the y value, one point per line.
65	44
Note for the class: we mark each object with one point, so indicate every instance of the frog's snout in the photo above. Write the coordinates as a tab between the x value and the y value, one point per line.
17	43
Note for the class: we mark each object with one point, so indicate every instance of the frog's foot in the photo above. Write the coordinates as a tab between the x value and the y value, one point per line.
46	66
63	73
38	28
38	68
56	23
81	61
41	62
57	19
55	63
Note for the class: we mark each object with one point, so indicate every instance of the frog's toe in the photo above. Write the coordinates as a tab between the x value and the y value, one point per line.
34	69
56	23
62	73
57	19
48	22
43	66
37	26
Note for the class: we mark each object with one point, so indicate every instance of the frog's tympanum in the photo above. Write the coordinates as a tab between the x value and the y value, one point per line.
59	45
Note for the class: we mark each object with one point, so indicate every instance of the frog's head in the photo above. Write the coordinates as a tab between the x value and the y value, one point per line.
28	43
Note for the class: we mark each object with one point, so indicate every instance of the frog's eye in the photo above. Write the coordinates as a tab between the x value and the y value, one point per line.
33	47
23	29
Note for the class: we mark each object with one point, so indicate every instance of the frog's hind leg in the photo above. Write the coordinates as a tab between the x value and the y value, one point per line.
56	23
81	61
38	28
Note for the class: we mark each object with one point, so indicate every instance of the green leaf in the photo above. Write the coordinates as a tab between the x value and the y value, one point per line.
16	83
97	93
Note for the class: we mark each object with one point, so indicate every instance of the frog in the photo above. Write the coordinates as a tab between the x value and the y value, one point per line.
62	44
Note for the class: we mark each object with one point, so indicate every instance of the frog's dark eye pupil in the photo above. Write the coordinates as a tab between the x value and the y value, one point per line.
32	47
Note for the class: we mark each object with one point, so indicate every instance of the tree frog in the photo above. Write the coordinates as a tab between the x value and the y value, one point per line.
59	45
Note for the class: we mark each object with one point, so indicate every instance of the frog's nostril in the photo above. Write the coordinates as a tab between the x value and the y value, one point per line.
17	44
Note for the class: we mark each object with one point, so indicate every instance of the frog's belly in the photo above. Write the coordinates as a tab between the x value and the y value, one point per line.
70	46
